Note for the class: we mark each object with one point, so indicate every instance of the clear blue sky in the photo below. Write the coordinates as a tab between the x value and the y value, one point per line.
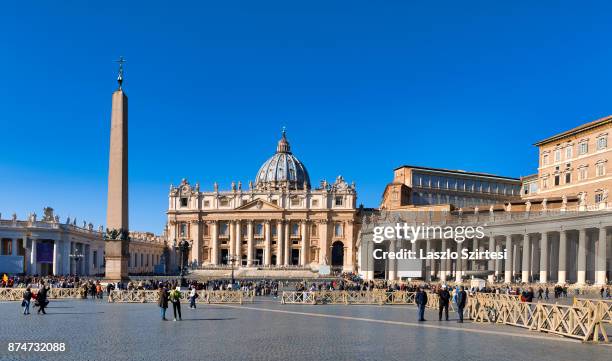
361	86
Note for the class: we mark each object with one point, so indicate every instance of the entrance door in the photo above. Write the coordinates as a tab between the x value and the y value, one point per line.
295	257
259	256
224	256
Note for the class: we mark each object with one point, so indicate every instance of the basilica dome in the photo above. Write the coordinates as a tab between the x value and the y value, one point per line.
282	170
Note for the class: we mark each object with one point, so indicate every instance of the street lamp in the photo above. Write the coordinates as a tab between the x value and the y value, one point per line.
183	248
232	259
76	256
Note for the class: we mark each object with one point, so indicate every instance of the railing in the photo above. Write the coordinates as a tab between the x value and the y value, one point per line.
16	294
583	323
141	296
377	297
604	307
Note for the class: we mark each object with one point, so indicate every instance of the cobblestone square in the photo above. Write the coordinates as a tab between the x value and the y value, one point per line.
267	330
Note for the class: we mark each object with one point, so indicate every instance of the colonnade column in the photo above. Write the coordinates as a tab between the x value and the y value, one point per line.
303	256
215	243
443	262
196	248
392	262
508	262
600	260
348	242
428	264
279	243
287	241
562	277
239	242
56	250
491	262
232	240
544	258
459	264
526	258
323	242
14	246
581	264
33	268
250	243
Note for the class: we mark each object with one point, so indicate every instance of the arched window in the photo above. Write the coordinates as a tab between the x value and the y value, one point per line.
259	229
295	229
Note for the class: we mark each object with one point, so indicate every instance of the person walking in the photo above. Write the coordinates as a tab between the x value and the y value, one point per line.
192	297
163	302
421	301
444	297
41	299
175	298
27	297
461	301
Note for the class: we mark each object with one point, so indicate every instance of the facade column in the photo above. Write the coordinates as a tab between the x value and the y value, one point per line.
56	251
443	262
238	248
250	244
33	264
392	263
348	251
14	247
428	265
544	258
232	240
215	243
287	241
508	261
526	258
267	244
304	249
600	260
562	277
65	257
323	243
581	264
196	247
491	262
498	262
279	243
475	249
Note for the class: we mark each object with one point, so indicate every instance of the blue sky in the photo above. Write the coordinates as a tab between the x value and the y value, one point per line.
361	86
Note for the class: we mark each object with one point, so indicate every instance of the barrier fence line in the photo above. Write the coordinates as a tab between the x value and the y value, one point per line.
602	306
210	297
16	294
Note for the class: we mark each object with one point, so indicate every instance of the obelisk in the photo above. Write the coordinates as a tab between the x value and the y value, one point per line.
117	225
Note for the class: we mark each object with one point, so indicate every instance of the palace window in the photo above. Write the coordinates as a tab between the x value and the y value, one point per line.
600	169
295	229
598	197
315	202
602	142
582	173
557	179
568	178
545	159
544	183
338	230
295	201
183	202
183	230
568	152
339	201
206	204
583	147
259	229
395	195
223	229
273	230
224	202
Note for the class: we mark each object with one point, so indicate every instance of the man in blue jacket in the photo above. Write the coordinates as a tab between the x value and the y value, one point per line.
461	301
421	301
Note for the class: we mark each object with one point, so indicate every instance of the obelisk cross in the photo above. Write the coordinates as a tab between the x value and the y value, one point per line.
120	61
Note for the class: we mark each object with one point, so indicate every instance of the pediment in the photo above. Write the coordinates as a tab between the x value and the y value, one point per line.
259	205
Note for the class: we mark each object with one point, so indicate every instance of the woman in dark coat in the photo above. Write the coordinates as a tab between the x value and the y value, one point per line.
41	299
163	302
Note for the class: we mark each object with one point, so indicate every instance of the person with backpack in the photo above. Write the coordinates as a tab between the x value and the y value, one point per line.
175	298
27	296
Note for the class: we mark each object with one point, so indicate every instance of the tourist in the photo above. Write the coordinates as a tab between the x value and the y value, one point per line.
163	302
192	297
444	297
546	293
175	298
461	301
41	299
421	301
27	296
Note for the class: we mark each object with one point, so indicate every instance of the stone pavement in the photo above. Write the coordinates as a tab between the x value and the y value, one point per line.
266	330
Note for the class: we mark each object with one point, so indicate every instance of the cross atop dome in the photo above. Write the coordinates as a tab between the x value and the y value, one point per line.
283	144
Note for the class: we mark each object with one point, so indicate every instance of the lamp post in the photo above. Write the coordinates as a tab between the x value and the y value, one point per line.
76	256
183	248
232	259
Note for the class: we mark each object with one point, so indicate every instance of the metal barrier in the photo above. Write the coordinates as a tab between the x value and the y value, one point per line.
298	298
579	322
140	296
376	297
604	307
16	294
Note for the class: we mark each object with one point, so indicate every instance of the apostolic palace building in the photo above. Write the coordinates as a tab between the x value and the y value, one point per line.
279	221
556	230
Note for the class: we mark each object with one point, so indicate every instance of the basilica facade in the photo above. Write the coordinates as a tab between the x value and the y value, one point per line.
278	221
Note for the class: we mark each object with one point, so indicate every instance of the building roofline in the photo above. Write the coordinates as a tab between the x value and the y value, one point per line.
576	130
458	172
